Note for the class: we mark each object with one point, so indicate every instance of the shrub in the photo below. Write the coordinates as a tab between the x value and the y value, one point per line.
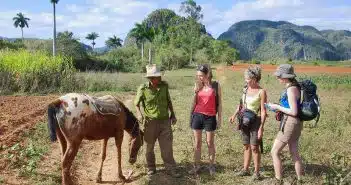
126	59
34	72
11	45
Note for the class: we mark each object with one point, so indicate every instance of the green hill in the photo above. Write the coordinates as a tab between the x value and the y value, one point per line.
264	40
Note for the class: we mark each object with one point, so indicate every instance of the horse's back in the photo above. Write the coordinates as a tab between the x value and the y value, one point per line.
83	112
75	104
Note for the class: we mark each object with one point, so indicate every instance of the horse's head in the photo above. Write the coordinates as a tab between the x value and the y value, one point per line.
133	128
135	142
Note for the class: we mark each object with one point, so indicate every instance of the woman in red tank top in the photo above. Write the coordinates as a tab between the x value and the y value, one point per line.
206	106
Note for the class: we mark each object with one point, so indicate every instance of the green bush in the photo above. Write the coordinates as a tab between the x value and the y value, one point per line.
126	59
170	58
11	45
35	72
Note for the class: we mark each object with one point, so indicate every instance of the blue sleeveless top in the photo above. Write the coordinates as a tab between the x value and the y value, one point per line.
284	102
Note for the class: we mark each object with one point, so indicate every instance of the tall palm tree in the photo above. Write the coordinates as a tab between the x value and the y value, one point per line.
113	42
54	2
92	36
142	33
21	21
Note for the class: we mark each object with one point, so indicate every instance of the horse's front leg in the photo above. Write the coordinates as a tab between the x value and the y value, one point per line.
118	141
103	157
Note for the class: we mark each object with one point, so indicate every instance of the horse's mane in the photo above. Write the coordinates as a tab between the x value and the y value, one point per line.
132	124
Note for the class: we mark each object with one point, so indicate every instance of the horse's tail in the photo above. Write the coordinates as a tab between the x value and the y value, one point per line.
52	121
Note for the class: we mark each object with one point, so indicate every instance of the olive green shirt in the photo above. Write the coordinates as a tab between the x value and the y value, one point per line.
155	101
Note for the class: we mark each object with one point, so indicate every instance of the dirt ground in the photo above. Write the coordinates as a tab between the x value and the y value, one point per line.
20	113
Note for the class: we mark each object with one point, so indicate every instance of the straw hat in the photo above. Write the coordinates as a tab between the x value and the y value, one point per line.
152	71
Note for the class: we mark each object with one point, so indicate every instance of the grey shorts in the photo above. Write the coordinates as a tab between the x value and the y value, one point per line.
250	135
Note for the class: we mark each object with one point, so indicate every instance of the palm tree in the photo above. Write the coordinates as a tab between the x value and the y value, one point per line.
65	34
54	2
142	33
113	42
21	21
92	36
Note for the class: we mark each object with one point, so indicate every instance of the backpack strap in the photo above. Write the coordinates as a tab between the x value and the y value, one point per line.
214	85
245	94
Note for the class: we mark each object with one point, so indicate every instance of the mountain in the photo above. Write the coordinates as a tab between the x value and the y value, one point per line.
264	40
101	50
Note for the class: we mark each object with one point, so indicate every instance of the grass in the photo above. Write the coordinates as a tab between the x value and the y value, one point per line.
317	152
31	72
25	157
324	149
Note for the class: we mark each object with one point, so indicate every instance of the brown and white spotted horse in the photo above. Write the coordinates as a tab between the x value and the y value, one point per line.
74	117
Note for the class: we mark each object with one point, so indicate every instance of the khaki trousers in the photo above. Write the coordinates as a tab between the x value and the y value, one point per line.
159	130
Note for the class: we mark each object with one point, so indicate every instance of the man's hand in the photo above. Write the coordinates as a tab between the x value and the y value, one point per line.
173	119
141	118
232	119
260	133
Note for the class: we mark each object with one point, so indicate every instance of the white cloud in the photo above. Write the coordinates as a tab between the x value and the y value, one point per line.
74	8
109	17
260	4
87	20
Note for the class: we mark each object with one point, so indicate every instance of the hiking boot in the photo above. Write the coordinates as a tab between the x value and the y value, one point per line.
173	173
243	173
256	177
151	172
278	181
212	169
297	181
194	171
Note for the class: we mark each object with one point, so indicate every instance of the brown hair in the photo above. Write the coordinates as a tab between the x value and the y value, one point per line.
206	69
253	72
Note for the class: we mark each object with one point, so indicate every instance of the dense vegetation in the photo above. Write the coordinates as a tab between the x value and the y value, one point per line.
24	71
174	41
179	41
266	40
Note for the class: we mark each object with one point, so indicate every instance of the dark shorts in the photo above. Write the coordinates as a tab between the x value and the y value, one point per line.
201	121
250	135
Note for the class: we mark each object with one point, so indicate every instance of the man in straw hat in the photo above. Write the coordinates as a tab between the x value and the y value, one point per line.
156	102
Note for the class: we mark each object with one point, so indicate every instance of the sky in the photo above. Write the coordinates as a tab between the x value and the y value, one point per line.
117	17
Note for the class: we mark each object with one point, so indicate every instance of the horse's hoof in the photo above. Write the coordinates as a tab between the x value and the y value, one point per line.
67	182
98	179
122	178
130	173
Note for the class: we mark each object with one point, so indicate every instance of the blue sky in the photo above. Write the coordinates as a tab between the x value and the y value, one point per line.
117	17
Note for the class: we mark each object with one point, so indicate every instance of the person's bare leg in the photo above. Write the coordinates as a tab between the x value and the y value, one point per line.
197	149
277	162
256	158
294	151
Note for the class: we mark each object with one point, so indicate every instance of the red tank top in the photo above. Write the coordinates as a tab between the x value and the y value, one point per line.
206	102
